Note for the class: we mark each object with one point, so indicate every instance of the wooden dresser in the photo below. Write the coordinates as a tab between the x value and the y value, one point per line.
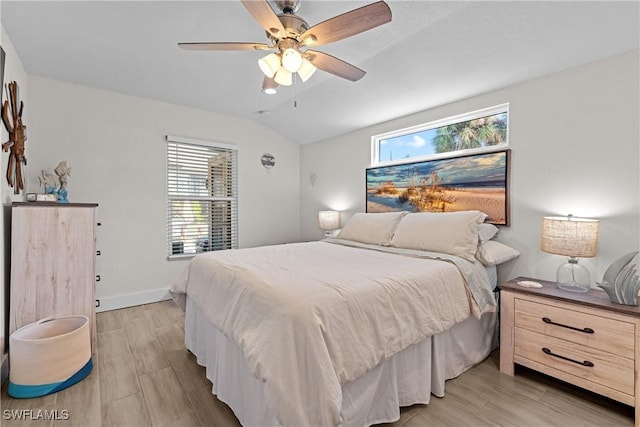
53	252
581	338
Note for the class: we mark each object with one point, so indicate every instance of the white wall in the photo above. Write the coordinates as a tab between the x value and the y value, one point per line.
574	138
115	146
13	71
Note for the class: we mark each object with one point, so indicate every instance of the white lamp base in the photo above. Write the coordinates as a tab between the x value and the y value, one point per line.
573	277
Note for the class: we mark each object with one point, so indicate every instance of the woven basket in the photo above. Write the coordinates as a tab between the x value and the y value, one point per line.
48	356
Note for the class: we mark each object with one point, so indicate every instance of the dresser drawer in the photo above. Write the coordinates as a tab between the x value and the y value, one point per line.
607	369
586	327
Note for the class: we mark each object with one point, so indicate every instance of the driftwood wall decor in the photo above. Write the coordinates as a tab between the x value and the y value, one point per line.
2	55
12	119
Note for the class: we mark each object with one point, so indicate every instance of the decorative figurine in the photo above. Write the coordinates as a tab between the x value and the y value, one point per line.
49	181
621	282
17	137
56	185
63	173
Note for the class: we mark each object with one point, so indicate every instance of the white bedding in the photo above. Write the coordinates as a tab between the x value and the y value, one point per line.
408	377
311	317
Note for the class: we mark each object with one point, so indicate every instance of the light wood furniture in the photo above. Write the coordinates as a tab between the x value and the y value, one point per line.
53	250
581	338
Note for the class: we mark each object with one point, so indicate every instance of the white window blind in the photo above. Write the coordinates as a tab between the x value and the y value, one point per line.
202	196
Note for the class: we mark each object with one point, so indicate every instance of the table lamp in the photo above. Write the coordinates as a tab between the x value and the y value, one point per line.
572	237
328	221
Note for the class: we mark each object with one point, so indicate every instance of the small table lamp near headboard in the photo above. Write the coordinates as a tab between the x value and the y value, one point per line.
328	221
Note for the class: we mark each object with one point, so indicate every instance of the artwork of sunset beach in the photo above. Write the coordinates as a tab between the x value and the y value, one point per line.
478	181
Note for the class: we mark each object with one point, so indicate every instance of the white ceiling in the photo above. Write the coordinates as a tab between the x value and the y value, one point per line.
431	53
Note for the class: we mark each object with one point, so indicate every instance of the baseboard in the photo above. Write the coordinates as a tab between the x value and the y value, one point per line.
130	300
4	372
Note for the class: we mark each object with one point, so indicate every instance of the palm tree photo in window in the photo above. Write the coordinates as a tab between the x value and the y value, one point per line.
483	132
478	131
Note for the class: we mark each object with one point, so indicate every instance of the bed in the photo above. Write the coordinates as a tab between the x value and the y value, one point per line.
342	331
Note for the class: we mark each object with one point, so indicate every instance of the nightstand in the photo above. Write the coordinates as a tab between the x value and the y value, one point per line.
581	338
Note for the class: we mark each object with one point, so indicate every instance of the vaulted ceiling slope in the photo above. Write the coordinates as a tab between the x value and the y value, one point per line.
432	53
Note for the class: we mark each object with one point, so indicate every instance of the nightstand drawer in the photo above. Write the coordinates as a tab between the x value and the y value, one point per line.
586	327
583	362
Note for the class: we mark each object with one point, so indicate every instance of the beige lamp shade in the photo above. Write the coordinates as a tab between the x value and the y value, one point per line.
291	60
283	77
269	65
570	236
329	220
306	70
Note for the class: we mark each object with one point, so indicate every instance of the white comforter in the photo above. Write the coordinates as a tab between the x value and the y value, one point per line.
312	316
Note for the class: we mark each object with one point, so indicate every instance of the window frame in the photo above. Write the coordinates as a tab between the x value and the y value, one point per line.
233	198
484	112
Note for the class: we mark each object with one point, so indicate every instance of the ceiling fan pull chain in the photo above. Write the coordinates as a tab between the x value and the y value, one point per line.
295	91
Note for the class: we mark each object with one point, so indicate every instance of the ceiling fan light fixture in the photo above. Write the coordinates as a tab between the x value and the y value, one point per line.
289	35
269	86
269	65
306	70
291	60
283	77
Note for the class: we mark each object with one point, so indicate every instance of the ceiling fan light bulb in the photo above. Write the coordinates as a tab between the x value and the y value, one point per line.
269	86
269	64
306	70
283	77
291	60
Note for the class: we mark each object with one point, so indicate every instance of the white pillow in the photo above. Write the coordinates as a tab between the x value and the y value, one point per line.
454	233
494	253
486	232
371	228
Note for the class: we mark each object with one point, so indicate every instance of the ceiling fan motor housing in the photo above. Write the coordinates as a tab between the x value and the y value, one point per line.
293	25
288	6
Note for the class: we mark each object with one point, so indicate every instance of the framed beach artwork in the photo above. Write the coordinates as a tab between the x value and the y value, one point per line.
472	182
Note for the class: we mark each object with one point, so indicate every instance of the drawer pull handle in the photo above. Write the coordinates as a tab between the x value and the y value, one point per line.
585	330
550	353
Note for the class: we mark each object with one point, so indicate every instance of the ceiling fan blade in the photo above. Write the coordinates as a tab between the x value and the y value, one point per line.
223	46
347	24
335	66
266	17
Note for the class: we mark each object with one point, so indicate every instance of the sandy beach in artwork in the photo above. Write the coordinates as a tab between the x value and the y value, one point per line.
488	200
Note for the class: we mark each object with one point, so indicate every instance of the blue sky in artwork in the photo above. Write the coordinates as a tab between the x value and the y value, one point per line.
482	168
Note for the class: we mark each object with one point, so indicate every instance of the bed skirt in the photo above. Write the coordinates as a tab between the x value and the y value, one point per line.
407	378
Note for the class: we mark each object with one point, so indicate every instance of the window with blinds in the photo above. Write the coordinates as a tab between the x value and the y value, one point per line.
202	196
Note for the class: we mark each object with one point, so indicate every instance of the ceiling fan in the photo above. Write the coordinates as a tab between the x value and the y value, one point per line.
290	37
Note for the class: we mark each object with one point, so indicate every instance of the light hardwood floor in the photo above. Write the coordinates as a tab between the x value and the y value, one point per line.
144	376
